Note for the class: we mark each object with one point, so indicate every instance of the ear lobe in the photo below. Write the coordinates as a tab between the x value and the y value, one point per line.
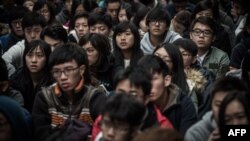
167	80
82	69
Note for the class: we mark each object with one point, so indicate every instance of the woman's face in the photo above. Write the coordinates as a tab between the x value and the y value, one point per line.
5	129
125	40
35	60
45	12
122	16
162	53
81	26
235	114
92	53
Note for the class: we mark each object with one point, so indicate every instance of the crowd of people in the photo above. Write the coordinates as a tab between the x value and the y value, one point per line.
123	70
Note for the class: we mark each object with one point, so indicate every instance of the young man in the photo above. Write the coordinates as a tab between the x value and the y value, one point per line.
207	127
54	35
112	8
158	22
203	30
32	25
70	98
121	118
169	98
16	32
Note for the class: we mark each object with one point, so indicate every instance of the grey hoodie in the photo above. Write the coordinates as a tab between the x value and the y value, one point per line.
202	129
148	48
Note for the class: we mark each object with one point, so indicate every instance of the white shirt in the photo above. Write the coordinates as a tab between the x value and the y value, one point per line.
201	58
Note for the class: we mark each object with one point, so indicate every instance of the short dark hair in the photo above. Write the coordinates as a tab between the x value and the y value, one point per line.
100	17
33	18
124	107
228	84
188	45
205	21
154	64
158	13
245	67
137	76
55	32
140	14
68	52
241	97
17	12
3	70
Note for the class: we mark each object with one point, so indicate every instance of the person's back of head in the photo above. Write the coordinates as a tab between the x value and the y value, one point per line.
56	32
159	134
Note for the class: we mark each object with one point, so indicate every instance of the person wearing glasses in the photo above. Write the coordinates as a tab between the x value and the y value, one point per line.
121	118
158	22
203	31
69	98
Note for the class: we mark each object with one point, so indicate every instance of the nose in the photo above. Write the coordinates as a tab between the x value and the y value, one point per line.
33	35
34	59
63	76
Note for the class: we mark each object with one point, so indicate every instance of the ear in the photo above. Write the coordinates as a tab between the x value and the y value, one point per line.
167	80
82	69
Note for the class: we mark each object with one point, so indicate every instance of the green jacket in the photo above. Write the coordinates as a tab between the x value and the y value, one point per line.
216	61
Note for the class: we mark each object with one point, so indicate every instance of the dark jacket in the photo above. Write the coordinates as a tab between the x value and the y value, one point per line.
51	103
24	84
180	110
239	51
14	94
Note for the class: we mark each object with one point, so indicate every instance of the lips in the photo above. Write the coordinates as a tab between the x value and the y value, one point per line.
123	44
65	85
33	66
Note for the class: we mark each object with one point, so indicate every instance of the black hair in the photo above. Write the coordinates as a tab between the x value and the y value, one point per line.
101	44
124	107
240	97
17	12
137	76
99	17
3	70
112	1
135	49
154	64
178	74
245	67
205	21
228	84
40	4
55	32
68	52
32	19
158	13
206	5
140	14
128	9
76	17
187	44
88	5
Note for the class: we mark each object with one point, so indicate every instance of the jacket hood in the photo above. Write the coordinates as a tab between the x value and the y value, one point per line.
196	80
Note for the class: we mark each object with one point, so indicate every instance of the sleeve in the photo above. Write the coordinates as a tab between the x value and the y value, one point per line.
41	118
224	66
189	116
237	56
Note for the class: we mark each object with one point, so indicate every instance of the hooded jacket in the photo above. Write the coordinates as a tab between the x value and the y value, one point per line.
202	129
148	48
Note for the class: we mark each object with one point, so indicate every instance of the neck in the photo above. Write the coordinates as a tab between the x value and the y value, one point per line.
162	101
127	54
156	40
202	51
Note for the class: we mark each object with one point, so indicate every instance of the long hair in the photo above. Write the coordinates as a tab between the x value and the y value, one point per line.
135	49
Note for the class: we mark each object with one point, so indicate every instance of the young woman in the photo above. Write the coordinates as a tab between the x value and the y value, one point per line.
47	9
34	74
125	12
234	110
101	61
126	43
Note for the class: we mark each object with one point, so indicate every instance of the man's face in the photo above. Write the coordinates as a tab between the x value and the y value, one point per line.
157	28
114	130
52	42
17	27
68	75
112	10
100	28
33	32
81	26
125	86
202	35
216	103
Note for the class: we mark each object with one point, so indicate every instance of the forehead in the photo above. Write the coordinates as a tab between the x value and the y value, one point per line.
34	27
199	25
81	19
113	5
71	63
161	51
